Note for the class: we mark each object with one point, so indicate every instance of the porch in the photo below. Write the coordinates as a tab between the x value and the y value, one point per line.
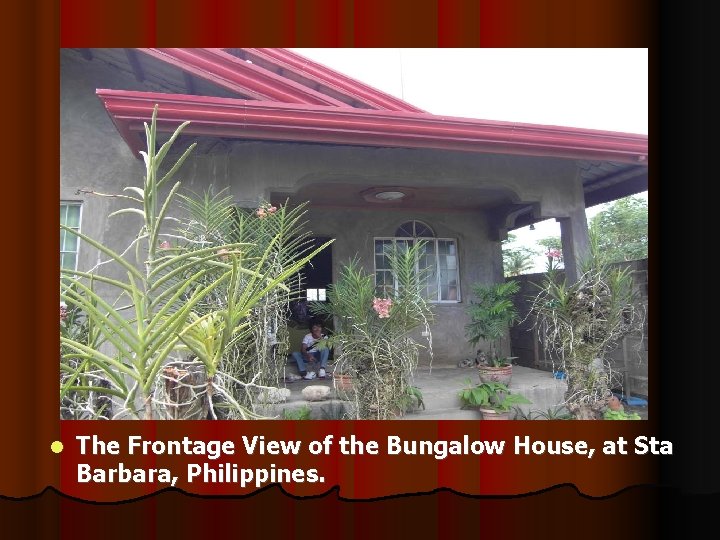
439	386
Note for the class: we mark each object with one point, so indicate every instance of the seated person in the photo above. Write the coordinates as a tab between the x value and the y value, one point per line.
310	355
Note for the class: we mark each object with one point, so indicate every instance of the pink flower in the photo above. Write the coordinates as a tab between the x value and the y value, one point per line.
63	311
265	210
382	307
553	254
164	244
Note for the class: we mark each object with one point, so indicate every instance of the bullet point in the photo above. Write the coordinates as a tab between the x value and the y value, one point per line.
56	447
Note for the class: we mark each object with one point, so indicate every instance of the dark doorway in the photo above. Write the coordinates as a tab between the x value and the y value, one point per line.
317	274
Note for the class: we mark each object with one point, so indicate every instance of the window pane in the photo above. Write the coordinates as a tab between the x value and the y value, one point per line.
448	285
381	262
73	215
62	238
382	246
71	242
406	229
384	282
447	251
423	231
68	260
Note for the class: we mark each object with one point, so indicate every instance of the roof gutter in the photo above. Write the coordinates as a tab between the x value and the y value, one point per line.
246	119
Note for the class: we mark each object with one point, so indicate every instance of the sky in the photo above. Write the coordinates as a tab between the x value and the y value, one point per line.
588	88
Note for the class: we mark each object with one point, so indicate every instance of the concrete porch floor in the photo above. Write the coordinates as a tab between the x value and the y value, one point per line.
439	386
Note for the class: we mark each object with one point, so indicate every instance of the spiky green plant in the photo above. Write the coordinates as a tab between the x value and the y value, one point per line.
158	311
374	338
277	236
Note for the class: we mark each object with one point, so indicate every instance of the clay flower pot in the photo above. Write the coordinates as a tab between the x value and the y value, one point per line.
492	414
501	374
343	384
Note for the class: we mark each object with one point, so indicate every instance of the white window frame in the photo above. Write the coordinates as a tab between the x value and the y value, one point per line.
427	239
79	229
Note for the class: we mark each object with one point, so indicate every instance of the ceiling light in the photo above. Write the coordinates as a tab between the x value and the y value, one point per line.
390	195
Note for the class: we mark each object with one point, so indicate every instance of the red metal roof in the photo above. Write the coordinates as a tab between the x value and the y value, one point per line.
227	71
294	65
249	119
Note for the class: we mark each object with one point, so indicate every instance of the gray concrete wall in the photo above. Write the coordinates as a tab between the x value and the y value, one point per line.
629	359
95	157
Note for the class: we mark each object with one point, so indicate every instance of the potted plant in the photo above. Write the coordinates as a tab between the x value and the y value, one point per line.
616	411
493	400
490	315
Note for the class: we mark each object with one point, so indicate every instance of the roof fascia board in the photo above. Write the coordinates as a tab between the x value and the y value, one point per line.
231	73
236	118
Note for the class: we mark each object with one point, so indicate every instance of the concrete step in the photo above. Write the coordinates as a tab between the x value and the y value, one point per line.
455	413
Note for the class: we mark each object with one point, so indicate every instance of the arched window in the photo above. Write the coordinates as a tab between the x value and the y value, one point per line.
439	258
414	229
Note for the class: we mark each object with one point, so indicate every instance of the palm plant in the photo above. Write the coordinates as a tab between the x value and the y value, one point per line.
374	334
490	315
158	311
517	261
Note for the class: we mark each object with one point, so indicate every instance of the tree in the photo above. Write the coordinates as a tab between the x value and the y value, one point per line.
622	230
516	261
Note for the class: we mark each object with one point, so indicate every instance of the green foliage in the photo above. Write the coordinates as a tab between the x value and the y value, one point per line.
277	239
412	399
516	260
620	415
622	230
553	413
302	413
82	389
374	334
491	395
490	315
551	243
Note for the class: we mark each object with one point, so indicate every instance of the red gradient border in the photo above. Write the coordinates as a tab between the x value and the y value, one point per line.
30	422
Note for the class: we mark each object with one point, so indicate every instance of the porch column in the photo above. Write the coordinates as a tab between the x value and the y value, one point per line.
575	242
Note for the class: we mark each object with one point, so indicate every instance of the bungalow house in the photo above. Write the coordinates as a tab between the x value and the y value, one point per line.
272	125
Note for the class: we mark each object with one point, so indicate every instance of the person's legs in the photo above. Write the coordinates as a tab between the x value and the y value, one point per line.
322	355
298	357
